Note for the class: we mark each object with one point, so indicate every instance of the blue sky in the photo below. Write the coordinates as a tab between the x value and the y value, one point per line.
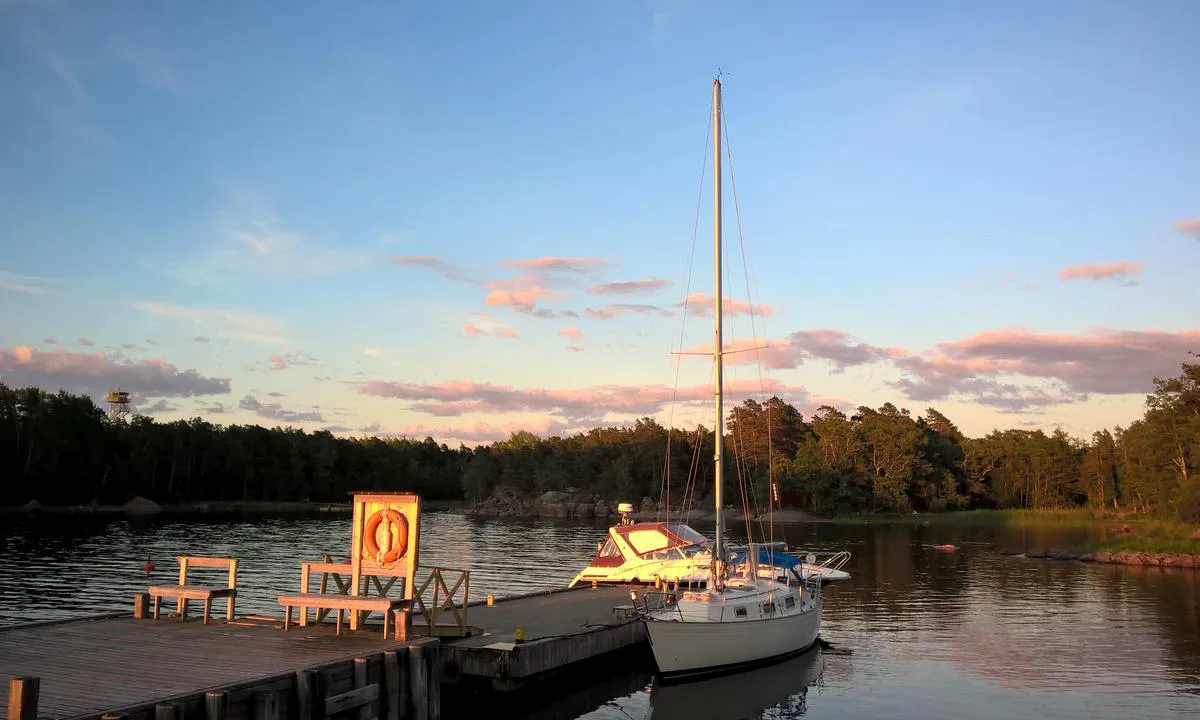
412	219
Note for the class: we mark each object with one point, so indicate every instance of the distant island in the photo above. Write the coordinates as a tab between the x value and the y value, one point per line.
60	449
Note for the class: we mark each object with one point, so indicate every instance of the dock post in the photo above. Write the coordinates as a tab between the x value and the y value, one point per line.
433	656
310	705
141	606
114	716
418	681
393	687
216	705
268	705
168	711
424	679
366	711
23	698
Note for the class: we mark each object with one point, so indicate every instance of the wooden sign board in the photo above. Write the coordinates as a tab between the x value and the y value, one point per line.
387	530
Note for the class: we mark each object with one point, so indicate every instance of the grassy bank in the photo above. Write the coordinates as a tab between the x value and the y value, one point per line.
975	517
1151	536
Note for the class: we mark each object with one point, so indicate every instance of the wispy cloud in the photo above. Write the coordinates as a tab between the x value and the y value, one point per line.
275	411
85	342
158	407
1189	227
246	325
49	341
374	352
616	310
1106	271
570	332
23	283
97	372
252	240
629	287
586	265
701	305
585	404
286	360
439	265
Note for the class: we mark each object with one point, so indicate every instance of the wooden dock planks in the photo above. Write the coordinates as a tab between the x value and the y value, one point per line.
91	666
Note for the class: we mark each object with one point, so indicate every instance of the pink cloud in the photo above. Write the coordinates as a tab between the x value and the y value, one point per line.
700	305
85	342
49	341
520	298
1101	361
1107	271
574	348
96	373
286	360
629	287
473	330
568	264
1189	227
570	332
833	346
460	397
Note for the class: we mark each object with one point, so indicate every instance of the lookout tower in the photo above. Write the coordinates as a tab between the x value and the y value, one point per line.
118	404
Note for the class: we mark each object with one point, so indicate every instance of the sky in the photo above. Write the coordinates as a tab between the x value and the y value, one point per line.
464	219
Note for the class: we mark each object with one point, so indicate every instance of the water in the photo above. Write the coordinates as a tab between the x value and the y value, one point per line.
915	634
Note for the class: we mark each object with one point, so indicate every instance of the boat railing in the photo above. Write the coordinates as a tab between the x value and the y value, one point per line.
653	600
828	559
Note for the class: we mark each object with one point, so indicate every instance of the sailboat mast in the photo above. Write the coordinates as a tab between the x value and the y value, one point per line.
717	331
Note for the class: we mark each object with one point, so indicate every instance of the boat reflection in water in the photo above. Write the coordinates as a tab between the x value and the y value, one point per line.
783	685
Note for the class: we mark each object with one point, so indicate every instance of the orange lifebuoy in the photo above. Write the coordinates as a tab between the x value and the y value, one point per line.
397	534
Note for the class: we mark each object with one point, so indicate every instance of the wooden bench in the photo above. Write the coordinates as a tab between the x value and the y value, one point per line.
399	607
184	592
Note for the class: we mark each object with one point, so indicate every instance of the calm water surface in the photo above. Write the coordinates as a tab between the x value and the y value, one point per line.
915	634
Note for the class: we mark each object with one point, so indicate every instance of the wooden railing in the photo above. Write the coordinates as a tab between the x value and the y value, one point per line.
439	592
434	597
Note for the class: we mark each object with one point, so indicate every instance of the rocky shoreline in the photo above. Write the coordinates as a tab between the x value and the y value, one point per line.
1169	560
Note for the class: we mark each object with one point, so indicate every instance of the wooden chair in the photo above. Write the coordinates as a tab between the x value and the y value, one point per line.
184	592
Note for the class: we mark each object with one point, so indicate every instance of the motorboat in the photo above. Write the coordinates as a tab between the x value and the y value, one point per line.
676	554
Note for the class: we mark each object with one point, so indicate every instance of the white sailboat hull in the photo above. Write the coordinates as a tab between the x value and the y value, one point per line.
693	649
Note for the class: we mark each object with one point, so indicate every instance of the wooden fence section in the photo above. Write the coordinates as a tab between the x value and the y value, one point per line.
434	599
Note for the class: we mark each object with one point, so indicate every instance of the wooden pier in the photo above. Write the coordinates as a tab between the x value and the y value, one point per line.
141	668
175	666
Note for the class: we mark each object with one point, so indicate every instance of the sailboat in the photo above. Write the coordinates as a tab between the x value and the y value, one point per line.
742	617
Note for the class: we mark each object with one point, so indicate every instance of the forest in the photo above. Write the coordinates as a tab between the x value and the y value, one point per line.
62	449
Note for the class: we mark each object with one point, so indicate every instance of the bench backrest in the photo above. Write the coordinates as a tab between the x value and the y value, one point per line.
197	561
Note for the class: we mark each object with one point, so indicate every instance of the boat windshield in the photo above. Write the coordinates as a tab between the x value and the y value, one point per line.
688	535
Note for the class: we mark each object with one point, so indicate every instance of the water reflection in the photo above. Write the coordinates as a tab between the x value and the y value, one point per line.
776	691
919	633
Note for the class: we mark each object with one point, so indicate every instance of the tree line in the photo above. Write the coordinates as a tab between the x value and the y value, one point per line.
62	449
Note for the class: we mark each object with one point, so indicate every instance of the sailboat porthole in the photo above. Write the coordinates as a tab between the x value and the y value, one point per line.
790	602
740	612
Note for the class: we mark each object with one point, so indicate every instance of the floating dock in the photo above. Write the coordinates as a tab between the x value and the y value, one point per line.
118	666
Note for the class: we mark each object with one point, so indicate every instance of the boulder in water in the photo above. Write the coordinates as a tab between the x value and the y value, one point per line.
32	506
141	506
